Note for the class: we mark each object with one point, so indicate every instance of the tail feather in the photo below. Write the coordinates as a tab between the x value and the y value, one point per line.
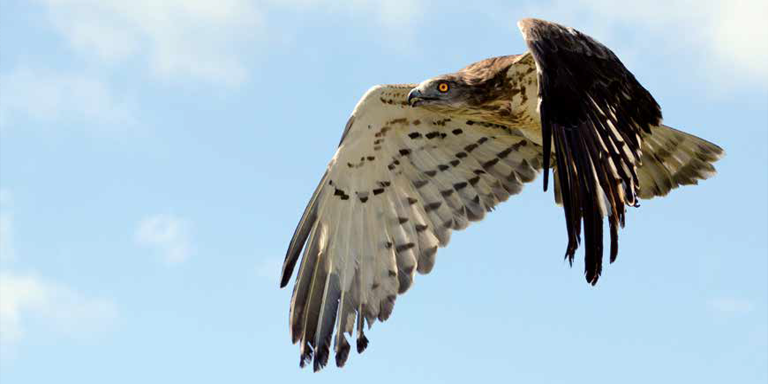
672	158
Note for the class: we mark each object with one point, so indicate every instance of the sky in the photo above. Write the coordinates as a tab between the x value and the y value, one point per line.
155	157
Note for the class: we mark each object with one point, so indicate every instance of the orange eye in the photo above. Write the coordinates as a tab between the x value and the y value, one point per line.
443	87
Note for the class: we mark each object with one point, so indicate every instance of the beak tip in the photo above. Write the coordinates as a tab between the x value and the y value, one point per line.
413	94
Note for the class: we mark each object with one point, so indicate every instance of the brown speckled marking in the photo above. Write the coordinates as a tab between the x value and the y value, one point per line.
363	160
404	247
432	206
490	163
394	101
400	121
340	192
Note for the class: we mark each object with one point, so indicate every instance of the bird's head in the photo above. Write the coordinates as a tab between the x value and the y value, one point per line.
468	90
445	92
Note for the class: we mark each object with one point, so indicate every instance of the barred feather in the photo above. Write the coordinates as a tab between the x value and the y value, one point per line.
672	158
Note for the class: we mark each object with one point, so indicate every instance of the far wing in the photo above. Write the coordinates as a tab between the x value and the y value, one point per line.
596	112
402	179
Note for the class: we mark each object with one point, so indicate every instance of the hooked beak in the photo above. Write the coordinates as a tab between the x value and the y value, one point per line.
414	97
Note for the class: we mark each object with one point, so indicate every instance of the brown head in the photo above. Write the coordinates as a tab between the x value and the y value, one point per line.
470	88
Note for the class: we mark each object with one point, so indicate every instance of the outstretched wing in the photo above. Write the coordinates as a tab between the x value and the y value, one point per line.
402	179
596	112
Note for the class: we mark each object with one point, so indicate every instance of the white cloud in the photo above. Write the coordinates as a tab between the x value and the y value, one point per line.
186	38
49	96
725	40
731	305
168	235
197	39
24	297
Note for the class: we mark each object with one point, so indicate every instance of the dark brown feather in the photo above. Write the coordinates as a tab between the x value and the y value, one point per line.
595	110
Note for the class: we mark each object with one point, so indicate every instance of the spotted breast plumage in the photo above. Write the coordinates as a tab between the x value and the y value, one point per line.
418	161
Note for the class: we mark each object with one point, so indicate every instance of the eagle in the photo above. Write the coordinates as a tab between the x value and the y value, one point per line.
418	161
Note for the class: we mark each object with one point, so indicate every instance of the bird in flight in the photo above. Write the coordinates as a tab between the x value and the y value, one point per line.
418	161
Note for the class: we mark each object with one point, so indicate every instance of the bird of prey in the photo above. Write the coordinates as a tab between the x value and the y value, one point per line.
418	161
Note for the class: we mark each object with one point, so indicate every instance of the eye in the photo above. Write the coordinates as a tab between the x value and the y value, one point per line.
443	87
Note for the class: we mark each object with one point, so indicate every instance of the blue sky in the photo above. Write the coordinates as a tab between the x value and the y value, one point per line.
156	156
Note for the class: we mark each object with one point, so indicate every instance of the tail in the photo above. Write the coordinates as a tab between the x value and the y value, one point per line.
672	158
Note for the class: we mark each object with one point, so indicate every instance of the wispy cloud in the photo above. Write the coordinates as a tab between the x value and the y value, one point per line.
198	39
51	96
731	305
168	235
25	296
727	41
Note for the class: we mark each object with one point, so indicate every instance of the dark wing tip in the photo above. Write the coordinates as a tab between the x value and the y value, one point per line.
592	278
342	352
305	358
285	277
321	359
362	344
